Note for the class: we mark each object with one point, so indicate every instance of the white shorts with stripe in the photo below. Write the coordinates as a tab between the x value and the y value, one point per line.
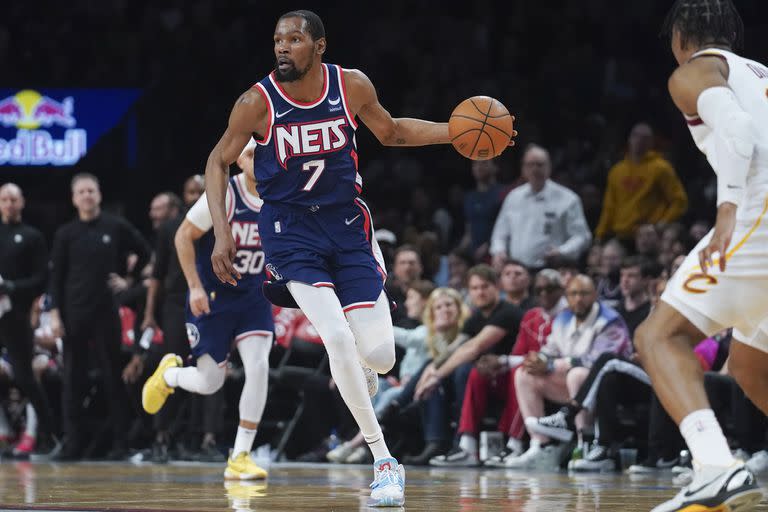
735	298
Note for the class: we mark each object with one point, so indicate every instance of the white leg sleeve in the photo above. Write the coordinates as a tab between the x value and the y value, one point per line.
322	308
373	331
205	379
254	352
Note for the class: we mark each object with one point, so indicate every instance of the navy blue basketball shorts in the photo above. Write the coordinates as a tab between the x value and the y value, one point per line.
329	247
233	318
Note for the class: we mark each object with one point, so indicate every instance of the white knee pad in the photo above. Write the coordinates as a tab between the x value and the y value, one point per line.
373	332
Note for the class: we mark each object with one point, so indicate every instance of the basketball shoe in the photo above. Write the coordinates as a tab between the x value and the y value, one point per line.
156	390
557	426
732	489
388	486
242	467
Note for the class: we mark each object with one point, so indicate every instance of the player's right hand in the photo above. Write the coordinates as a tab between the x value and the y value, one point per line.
198	301
721	238
223	257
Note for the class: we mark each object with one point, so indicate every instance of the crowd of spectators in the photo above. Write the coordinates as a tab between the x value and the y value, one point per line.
518	292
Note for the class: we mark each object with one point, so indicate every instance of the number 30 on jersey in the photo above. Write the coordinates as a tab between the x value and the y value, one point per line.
249	262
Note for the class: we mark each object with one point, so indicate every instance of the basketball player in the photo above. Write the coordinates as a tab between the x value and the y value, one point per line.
724	281
317	232
218	314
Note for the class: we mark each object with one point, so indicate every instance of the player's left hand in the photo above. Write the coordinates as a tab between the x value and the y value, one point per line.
721	238
223	257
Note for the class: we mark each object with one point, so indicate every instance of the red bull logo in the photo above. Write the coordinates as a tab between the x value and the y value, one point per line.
29	111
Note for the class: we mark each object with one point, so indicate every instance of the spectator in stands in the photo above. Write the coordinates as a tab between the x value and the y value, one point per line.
493	377
406	269
647	242
636	303
444	316
165	308
194	187
609	274
459	263
642	188
416	300
515	281
481	207
492	328
580	335
85	251
164	206
23	275
539	220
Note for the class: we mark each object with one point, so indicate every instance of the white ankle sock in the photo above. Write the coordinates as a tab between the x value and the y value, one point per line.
171	376
705	439
468	443
243	441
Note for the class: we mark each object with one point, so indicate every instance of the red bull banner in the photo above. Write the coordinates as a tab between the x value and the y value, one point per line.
56	127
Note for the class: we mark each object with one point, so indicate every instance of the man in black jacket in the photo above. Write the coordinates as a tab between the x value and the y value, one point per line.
84	313
23	274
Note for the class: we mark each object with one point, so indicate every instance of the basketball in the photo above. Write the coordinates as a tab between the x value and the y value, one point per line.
480	128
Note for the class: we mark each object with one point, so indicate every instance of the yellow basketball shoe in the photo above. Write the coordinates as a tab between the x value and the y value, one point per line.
242	467
155	390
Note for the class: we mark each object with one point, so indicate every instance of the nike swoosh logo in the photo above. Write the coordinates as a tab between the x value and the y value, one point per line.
238	211
278	115
733	186
334	102
691	492
348	221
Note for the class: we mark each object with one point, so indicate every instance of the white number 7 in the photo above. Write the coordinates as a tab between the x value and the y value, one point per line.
318	166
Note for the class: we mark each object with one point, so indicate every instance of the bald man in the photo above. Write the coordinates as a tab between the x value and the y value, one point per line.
580	335
23	274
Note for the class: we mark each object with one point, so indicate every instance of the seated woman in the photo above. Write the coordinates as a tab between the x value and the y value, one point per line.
444	316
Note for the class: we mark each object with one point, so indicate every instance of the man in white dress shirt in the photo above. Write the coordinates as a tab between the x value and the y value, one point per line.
539	221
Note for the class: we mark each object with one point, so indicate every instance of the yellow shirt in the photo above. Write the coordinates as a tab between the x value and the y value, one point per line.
644	192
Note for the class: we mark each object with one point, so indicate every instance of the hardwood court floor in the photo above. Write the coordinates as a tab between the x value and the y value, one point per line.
122	487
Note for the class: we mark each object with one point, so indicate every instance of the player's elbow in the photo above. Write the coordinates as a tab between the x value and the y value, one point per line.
183	236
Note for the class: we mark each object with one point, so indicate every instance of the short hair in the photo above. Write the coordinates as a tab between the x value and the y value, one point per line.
704	21
517	263
406	248
423	287
484	272
83	176
552	276
315	26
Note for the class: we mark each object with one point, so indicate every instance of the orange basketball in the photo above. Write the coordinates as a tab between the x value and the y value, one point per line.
480	128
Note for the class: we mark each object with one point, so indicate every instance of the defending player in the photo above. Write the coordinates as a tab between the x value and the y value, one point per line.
219	314
724	281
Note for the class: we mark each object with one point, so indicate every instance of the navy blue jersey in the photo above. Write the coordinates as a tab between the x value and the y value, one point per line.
243	214
308	155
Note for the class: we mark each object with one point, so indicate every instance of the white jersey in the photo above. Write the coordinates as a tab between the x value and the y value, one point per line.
749	82
738	297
